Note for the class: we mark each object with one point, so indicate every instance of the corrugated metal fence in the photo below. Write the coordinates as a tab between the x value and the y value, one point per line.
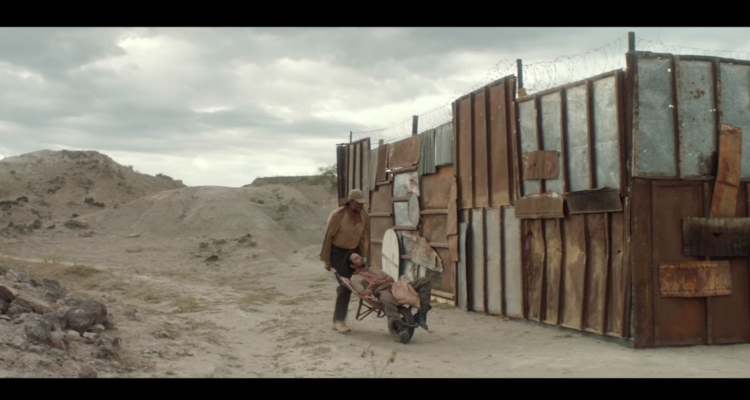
529	202
679	104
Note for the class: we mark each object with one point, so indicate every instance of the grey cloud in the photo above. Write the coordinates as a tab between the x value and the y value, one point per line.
53	51
131	108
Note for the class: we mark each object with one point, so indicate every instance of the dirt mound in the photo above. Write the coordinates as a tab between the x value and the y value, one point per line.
279	218
47	185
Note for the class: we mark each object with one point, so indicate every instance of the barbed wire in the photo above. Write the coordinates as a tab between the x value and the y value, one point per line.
657	46
540	76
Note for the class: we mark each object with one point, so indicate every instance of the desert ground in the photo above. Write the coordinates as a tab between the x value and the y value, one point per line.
107	272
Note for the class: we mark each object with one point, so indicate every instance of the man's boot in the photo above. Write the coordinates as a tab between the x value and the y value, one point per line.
340	327
402	333
421	316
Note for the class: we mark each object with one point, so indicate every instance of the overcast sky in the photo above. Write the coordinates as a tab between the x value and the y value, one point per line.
222	106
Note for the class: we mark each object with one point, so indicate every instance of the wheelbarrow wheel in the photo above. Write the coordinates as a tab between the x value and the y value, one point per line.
407	319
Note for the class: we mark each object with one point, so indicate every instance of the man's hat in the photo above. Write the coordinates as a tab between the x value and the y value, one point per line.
356	195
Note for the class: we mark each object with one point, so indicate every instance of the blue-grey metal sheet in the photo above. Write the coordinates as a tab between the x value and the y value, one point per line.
527	116
444	144
426	163
696	116
735	102
461	273
513	283
477	263
405	183
606	133
401	213
494	277
577	139
654	141
552	135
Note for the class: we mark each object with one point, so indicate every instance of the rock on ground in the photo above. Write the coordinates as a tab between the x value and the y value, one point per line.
87	372
37	331
85	316
7	294
58	340
30	302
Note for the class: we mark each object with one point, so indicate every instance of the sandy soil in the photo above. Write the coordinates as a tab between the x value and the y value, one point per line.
268	318
220	282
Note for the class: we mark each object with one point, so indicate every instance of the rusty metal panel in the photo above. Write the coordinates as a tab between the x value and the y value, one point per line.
405	183
618	281
462	265
448	276
544	205
597	261
376	256
372	176
453	247
435	188
641	263
434	228
357	166
735	103
426	153
481	164
678	321
534	253
654	139
465	150
351	161
383	151
724	200
381	200
378	226
494	268
574	227
341	171
512	271
716	237
528	134
365	165
553	242
577	138
695	279
543	165
606	132
594	201
404	153
452	224
499	146
444	144
478	260
729	316
552	138
697	117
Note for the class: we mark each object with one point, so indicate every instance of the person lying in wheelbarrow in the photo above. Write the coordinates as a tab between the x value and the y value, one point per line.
370	281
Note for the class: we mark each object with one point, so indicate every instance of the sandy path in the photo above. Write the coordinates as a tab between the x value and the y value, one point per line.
256	317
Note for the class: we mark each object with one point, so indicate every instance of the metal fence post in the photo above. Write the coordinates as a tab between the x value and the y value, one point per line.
414	124
519	72
631	41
